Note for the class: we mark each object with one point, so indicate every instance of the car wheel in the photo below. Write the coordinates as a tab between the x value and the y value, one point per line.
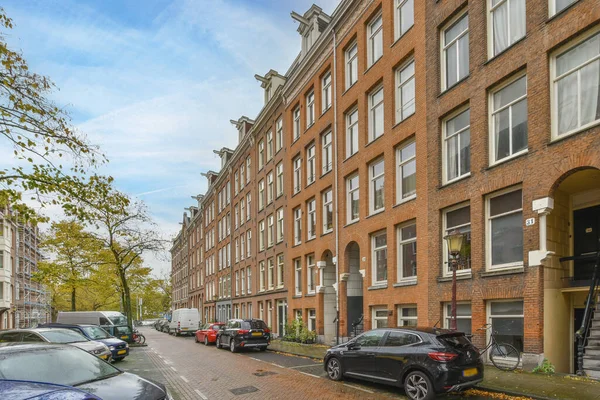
418	386
206	340
218	343
232	346
264	348
196	339
334	369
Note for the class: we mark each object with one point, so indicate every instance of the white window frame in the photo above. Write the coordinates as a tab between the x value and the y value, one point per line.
297	225
490	317
447	268
311	164
445	139
248	243
327	204
445	46
249	280
279	184
311	211
352	135
400	164
399	243
270	230
280	270
552	7
400	30
374	250
261	154
372	112
488	229
296	123
243	280
297	174
327	152
271	273
311	275
401	318
298	276
400	84
242	246
312	320
372	35
310	109
326	92
242	176
261	235
248	169
349	192
279	135
375	318
351	56
447	306
280	225
261	276
490	26
270	146
270	188
242	211
261	194
372	179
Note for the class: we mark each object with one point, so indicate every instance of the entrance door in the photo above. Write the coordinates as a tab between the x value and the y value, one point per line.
578	319
281	317
586	240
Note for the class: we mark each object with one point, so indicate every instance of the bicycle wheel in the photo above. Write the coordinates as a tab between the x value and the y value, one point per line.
142	339
505	357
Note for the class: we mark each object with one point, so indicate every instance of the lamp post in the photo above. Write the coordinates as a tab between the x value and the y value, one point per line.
454	240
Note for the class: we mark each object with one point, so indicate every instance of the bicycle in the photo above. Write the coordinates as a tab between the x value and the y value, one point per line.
504	356
138	337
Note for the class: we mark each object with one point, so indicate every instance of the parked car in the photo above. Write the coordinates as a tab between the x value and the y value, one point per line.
28	390
70	366
162	325
184	321
208	333
244	333
425	361
113	322
56	335
118	347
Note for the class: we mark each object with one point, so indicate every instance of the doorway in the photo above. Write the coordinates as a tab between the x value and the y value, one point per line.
281	317
586	241
354	289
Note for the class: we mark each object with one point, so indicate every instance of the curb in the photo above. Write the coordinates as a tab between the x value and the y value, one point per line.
513	393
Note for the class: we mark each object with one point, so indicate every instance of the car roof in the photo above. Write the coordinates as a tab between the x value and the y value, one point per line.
38	330
17	347
422	329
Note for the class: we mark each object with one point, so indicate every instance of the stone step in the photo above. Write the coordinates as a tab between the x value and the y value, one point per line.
592	373
591	362
592	351
593	342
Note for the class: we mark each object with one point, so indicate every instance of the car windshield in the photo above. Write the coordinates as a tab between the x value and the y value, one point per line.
118	319
216	327
64	366
96	332
254	324
457	340
63	336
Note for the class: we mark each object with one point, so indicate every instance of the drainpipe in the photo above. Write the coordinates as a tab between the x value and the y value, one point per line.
335	185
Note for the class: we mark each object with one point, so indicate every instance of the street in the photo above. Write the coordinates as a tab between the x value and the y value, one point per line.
193	371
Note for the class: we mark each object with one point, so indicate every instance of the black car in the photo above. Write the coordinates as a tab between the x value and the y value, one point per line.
425	361
70	366
244	333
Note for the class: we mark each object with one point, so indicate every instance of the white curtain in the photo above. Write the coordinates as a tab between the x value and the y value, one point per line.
517	20
567	103
590	90
500	21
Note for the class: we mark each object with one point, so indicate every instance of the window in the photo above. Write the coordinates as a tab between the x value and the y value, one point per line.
395	339
351	65
407	252
557	6
280	270
261	276
406	174
261	194
243	281
376	189
242	246
407	315
576	85
370	339
248	244
310	165
310	109
236	216
326	92
280	225
249	282
312	320
261	235
271	274
261	154
242	175
327	155
311	274
236	181
507	23
455	51
298	276
352	199
312	219
270	188
456	150
297	174
509	120
380	317
463	317
237	250
297	226
296	126
242	211
261	310
279	135
458	218
405	91
269	146
237	283
279	179
248	169
270	230
327	211
375	40
506	318
379	257
376	113
351	133
505	229
405	16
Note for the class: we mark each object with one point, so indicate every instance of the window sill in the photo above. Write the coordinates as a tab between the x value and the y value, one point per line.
561	12
352	223
294	140
459	276
308	126
491	59
325	173
309	184
374	140
311	239
455	180
408	282
509	158
401	121
278	195
378	286
297	296
279	241
574	132
350	156
405	200
327	233
325	111
374	213
448	89
503	271
373	64
401	36
310	295
296	244
350	87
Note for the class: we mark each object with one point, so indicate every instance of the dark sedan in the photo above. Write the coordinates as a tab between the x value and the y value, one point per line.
70	366
244	333
424	361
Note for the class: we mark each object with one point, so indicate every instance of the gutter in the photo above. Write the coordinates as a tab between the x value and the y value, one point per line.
335	185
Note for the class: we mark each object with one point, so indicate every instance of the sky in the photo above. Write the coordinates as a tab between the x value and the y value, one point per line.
155	82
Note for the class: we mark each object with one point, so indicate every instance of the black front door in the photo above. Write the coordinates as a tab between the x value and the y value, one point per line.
586	240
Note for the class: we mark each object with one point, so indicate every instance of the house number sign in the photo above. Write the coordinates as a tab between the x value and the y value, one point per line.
529	221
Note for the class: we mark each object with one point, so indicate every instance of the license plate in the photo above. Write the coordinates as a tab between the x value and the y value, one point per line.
121	351
104	357
124	337
470	372
256	334
184	329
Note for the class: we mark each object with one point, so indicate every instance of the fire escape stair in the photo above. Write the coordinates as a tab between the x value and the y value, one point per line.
591	357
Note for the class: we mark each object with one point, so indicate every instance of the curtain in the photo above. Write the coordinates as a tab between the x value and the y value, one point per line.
567	103
590	91
517	18
500	21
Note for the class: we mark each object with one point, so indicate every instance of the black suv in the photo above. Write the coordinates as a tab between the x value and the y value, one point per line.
425	361
243	333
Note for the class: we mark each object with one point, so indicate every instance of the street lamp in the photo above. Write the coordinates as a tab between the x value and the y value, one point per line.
454	240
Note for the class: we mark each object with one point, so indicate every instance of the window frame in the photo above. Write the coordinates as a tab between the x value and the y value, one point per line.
261	235
400	242
349	192
375	318
311	212
326	152
399	4
400	164
297	225
296	128
552	7
261	276
326	92
351	132
311	164
280	225
297	180
270	231
326	204
278	135
280	270
372	112
446	267
298	276
447	310
490	26
261	194
374	250
371	37
261	154
372	178
488	229
444	46
445	180
400	317
399	116
311	274
270	147
351	64
270	187
310	109
279	183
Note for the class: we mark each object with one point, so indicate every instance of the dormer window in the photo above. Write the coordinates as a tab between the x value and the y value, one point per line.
311	25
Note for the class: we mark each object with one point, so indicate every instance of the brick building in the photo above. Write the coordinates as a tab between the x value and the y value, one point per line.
379	165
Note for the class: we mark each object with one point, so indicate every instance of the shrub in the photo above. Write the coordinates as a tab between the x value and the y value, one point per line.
545	368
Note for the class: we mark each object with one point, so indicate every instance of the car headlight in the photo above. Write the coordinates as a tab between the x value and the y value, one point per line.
97	351
112	348
126	345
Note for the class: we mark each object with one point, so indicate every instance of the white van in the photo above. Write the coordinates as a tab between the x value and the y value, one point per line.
102	318
184	321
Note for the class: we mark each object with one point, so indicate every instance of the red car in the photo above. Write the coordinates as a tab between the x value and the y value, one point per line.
208	333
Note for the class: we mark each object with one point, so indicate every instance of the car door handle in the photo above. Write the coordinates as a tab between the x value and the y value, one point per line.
371	354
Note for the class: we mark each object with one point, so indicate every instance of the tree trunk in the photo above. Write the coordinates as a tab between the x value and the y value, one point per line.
126	298
73	305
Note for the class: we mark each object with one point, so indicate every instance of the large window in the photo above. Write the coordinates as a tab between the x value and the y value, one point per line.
248	169
463	317
576	87
456	132
375	39
270	188
261	235
379	256
407	315
310	109
507	23
351	133
509	120
297	174
351	65
296	126
407	252
377	187
352	199
297	226
455	51
261	194
269	145
261	154
458	218
279	135
310	165
405	91
380	317
312	320
280	225
405	16
327	154
326	92
249	282
506	318
376	113
298	276
271	273
557	6
280	270
311	231
261	276
406	173
248	244
311	274
270	230
327	217
505	229
279	179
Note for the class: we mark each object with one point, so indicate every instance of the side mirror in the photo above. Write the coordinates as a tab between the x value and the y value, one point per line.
353	346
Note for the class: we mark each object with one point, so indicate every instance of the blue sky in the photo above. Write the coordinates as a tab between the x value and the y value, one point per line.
155	82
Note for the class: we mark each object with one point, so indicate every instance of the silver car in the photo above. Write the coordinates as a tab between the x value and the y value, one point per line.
56	335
